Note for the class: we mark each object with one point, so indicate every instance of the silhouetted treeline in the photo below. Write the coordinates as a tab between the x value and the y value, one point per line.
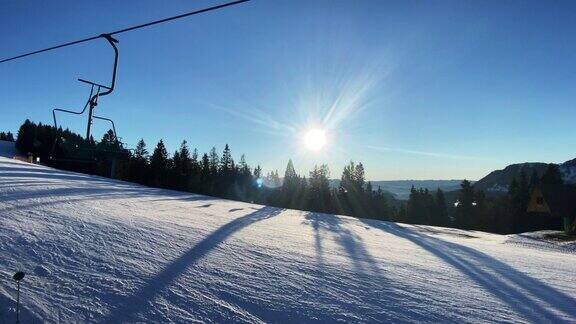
64	149
473	210
6	136
209	173
354	196
425	207
220	175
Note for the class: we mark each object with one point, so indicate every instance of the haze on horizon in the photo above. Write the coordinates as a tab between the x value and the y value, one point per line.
412	89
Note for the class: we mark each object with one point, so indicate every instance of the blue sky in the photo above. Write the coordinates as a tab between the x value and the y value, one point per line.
413	89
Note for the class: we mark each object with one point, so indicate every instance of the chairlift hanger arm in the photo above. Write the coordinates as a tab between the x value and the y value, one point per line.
94	99
111	121
127	29
112	43
94	83
70	111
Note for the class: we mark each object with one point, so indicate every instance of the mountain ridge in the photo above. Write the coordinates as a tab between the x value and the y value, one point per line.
498	181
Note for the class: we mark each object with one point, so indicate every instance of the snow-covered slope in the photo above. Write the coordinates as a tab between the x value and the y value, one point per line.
100	250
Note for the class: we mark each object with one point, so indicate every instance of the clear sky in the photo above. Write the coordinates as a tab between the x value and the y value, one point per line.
413	89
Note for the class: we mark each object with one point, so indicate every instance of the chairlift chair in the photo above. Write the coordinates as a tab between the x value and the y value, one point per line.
69	150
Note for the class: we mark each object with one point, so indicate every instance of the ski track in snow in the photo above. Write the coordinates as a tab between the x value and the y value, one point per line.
106	251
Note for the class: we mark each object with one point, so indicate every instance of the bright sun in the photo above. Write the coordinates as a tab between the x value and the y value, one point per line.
315	139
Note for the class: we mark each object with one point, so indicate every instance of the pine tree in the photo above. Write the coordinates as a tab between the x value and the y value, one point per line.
243	167
109	139
141	153
227	163
347	178
6	136
290	186
258	172
353	197
359	177
401	214
182	167
552	176
481	219
465	209
26	134
139	163
184	153
206	175
519	197
194	160
226	181
381	205
440	217
195	172
319	189
273	179
159	165
246	186
173	167
370	200
369	189
213	162
290	176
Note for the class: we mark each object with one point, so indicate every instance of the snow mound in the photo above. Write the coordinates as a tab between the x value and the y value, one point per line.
106	251
545	240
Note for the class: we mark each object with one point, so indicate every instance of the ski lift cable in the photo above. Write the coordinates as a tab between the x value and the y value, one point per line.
127	29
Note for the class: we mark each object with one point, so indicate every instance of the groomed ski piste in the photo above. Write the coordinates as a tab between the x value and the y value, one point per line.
106	251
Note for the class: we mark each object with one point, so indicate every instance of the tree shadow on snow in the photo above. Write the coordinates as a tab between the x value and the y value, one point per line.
68	194
98	186
362	261
126	307
378	300
524	294
23	172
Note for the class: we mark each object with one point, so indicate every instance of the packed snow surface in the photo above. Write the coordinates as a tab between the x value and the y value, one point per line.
100	250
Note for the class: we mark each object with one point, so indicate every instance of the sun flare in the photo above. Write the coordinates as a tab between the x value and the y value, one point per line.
315	139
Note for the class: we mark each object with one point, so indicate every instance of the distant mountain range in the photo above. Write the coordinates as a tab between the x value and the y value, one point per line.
400	189
495	183
499	180
568	170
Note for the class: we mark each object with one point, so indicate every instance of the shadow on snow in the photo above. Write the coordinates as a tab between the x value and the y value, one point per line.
127	307
387	302
522	293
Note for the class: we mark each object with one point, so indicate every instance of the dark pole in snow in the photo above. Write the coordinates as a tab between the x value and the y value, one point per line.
18	302
18	276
